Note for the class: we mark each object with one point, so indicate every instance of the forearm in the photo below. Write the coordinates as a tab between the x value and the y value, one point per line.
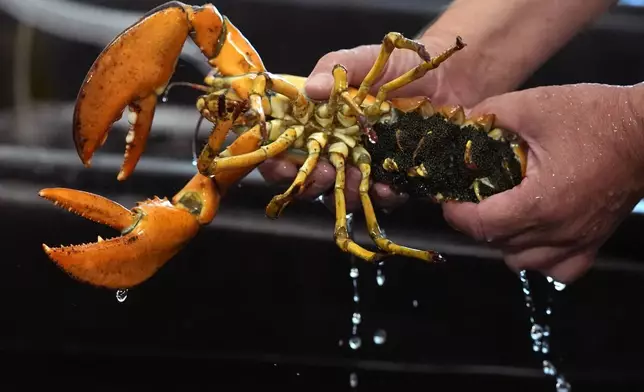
509	40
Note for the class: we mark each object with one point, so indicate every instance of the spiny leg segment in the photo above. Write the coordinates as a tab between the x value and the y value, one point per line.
398	41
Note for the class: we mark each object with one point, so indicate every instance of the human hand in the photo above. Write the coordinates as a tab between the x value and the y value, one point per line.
441	86
583	177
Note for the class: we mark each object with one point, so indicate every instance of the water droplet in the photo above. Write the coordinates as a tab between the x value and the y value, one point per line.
121	295
559	286
414	303
354	273
562	385
380	336
164	99
548	311
194	162
356	298
536	332
380	278
353	380
548	368
356	319
355	342
545	347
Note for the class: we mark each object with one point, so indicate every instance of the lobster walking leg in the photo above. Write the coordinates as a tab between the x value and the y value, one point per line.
409	76
316	143
338	153
391	41
283	142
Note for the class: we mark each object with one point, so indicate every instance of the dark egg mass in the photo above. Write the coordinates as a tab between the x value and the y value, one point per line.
426	157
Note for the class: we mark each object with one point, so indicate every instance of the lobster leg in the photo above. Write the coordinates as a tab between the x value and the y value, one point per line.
338	153
390	42
316	143
284	141
408	77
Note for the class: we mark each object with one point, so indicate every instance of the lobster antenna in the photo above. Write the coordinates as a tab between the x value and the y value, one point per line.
183	84
194	140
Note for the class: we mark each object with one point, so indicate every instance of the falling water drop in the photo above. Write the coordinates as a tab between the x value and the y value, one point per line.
380	336
121	295
355	342
562	385
380	277
557	285
414	303
549	368
353	380
540	332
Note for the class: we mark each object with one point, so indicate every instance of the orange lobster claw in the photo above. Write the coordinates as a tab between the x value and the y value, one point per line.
151	233
137	66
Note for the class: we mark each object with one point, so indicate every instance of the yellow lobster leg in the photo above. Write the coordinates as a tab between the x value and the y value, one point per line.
338	152
315	144
397	41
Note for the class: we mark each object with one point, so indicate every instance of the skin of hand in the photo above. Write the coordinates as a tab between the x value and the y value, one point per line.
500	55
584	176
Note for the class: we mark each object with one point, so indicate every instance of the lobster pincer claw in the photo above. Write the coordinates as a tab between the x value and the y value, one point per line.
151	233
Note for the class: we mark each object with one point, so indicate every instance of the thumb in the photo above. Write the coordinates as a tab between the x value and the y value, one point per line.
358	61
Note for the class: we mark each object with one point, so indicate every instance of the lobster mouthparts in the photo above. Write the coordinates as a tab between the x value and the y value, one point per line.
151	234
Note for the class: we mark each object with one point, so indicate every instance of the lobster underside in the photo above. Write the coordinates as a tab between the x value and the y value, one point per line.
429	152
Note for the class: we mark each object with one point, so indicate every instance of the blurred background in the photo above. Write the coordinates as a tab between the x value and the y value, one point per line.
251	302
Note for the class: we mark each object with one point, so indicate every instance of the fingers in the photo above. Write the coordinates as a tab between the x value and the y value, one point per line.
357	61
499	218
572	268
540	258
384	197
319	181
277	170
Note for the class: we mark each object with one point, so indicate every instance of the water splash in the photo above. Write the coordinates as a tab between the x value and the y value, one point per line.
540	331
121	295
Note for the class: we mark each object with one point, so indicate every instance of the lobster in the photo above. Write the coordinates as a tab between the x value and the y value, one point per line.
429	152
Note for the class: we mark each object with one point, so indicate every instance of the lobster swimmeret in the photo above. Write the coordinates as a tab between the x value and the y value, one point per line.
430	152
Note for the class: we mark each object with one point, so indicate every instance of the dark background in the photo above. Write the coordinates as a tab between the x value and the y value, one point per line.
251	302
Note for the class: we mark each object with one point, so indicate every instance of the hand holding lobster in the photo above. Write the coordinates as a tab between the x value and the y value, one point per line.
583	176
442	86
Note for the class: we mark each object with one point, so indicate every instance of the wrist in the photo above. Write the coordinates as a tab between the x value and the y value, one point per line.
505	44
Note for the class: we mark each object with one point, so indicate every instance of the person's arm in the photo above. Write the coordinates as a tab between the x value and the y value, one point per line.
509	40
